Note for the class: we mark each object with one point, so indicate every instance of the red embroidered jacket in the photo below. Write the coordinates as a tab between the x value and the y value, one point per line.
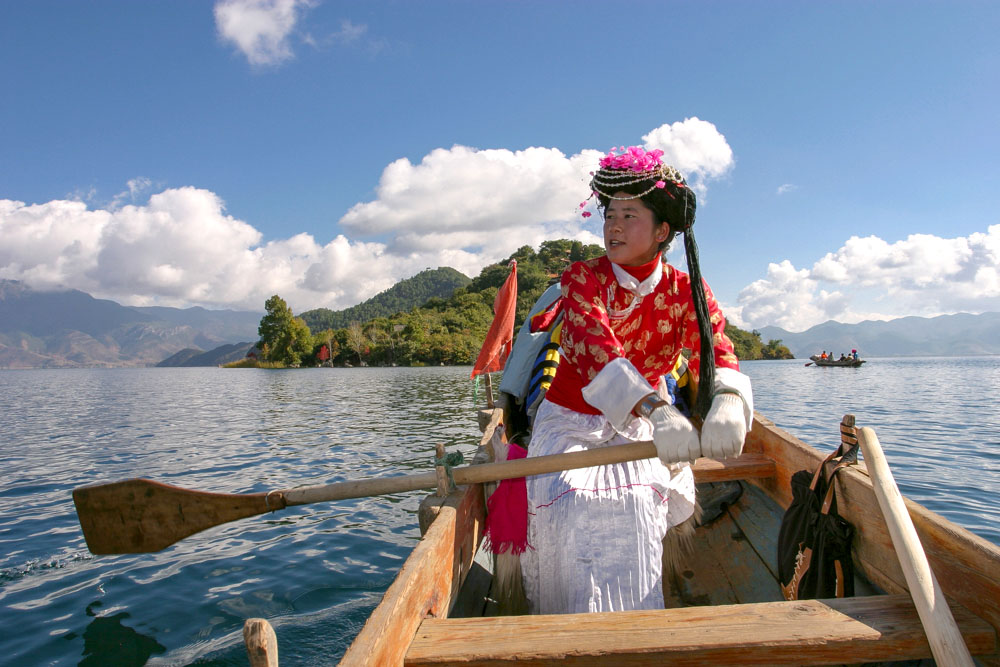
600	324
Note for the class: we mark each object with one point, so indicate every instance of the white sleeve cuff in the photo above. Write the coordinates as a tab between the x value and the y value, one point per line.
727	378
615	391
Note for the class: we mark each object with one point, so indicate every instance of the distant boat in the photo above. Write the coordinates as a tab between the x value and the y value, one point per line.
849	362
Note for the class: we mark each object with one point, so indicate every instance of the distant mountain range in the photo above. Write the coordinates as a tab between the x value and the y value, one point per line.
224	354
945	336
71	329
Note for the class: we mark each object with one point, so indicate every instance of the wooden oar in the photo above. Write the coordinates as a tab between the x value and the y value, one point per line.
943	634
141	516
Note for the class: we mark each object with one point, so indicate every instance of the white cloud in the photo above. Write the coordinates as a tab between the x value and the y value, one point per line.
870	278
350	35
787	187
259	28
349	32
785	298
695	147
182	249
463	195
458	207
135	188
179	249
44	244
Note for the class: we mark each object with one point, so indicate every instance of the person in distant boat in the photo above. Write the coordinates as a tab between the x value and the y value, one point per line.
854	354
823	356
596	534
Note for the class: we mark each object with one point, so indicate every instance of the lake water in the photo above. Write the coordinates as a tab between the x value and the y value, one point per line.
316	572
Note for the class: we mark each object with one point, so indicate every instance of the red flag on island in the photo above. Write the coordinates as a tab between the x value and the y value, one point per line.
496	347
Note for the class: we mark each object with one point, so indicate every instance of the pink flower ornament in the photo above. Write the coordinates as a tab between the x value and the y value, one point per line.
633	158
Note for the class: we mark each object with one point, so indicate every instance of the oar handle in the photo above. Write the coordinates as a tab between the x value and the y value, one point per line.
943	634
485	472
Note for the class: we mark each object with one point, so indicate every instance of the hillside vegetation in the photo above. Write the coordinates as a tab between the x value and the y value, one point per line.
443	329
399	298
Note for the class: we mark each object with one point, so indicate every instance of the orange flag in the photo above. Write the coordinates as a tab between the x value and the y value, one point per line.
496	347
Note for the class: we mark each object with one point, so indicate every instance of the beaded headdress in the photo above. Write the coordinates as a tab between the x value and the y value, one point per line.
630	166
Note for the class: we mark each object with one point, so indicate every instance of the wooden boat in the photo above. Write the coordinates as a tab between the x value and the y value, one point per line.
847	362
725	605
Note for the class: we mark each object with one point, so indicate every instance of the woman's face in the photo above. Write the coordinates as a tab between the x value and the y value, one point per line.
632	236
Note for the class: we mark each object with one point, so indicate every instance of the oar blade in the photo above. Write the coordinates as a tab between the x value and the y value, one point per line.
142	516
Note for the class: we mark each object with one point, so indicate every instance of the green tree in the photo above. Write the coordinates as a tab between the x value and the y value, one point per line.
283	337
775	350
356	339
295	344
749	347
277	318
747	344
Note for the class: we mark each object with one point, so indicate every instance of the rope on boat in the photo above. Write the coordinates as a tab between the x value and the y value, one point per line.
449	461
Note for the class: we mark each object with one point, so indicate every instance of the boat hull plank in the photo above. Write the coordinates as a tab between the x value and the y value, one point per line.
722	568
759	519
474	598
851	630
428	583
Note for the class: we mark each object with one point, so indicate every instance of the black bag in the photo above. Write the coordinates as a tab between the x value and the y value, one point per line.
814	543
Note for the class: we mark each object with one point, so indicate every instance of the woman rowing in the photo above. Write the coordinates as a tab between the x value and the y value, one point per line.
596	533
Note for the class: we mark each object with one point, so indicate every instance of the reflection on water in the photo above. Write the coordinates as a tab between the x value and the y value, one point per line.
106	641
317	571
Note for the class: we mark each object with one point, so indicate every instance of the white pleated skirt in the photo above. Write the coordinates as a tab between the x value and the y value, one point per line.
595	535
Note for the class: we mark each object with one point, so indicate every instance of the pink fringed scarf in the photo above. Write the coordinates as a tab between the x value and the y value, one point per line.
507	512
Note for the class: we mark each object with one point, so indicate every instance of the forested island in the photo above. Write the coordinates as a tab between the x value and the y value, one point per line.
438	317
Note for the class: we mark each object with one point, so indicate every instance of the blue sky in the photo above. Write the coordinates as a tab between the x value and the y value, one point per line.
197	153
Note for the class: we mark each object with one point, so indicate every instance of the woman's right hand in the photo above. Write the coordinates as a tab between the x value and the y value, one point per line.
675	438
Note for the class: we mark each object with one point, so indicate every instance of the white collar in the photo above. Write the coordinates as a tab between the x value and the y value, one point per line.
629	282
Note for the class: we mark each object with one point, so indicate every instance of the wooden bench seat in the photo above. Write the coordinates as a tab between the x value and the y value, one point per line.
852	630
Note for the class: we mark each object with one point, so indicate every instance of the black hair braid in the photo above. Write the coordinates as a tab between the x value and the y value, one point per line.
706	373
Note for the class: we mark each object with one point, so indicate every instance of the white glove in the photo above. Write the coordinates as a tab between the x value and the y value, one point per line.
674	436
725	427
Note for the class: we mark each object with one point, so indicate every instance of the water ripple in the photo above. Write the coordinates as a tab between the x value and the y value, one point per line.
938	420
